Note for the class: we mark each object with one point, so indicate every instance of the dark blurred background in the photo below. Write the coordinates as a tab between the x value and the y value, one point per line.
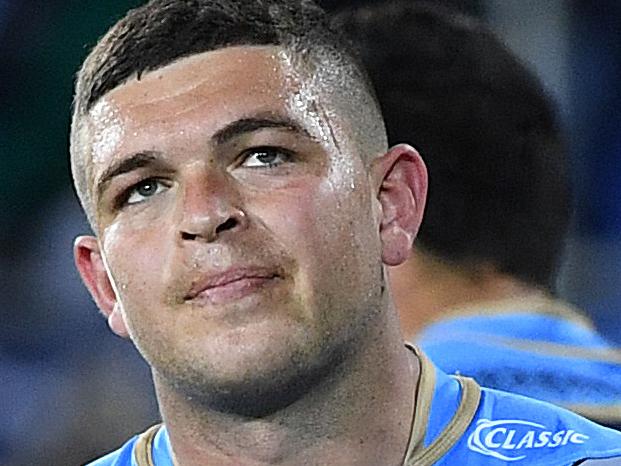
69	389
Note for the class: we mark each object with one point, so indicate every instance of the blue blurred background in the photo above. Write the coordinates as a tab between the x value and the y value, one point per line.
69	389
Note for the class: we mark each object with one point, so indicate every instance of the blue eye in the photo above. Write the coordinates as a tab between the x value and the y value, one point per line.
145	189
265	157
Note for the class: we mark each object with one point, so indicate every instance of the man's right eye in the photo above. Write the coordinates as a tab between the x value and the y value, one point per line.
144	190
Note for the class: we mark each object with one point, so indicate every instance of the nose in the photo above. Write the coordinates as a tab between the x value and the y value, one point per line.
210	209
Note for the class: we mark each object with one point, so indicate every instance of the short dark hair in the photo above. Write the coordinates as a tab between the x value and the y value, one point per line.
163	31
498	182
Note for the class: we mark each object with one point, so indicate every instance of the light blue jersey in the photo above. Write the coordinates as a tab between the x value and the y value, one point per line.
539	348
456	423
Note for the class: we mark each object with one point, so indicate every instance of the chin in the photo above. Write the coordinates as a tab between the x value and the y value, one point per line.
255	376
268	389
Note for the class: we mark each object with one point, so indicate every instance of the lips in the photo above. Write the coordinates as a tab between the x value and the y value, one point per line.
231	285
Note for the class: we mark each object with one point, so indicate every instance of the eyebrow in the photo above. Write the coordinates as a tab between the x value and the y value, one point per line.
230	131
249	125
138	160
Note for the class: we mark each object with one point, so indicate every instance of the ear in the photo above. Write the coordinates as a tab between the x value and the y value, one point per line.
90	263
401	178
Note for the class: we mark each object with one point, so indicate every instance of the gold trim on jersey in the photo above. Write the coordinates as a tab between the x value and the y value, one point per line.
143	450
453	432
417	454
424	397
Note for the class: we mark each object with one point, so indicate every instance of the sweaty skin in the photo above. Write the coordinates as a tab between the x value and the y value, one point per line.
240	252
107	139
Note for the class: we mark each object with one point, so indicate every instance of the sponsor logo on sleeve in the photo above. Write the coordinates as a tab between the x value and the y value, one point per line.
512	439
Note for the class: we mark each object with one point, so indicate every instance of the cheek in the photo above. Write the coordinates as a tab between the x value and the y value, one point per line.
300	218
137	259
325	227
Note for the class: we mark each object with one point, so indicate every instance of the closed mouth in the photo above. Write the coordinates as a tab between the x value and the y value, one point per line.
230	285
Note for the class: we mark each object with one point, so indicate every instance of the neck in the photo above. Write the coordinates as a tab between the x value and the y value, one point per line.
425	288
360	414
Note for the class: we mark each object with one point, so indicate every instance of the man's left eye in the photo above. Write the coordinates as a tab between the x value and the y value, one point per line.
265	157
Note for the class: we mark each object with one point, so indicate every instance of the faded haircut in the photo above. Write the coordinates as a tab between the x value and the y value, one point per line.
164	31
498	183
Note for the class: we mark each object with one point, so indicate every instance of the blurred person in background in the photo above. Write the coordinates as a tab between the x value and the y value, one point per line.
52	385
478	292
244	204
62	399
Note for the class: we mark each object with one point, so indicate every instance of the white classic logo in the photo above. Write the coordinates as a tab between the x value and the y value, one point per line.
509	439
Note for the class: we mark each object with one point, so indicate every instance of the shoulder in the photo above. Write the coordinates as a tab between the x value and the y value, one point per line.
494	427
508	428
581	373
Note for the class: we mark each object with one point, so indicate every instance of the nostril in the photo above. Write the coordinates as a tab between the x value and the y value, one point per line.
207	234
228	225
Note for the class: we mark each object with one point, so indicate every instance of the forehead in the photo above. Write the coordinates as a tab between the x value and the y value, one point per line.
196	96
234	79
201	93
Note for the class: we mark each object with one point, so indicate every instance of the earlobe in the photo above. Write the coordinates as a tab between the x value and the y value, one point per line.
90	264
117	322
402	179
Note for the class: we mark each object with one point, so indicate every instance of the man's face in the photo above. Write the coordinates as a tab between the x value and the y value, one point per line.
241	243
